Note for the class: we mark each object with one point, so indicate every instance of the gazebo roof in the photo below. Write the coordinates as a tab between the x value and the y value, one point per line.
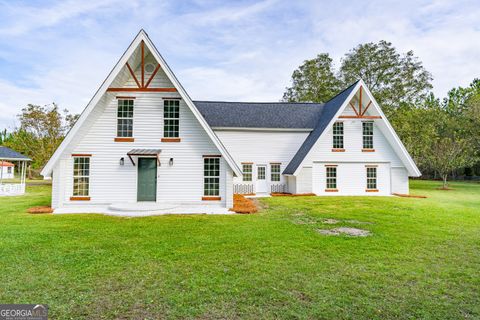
9	154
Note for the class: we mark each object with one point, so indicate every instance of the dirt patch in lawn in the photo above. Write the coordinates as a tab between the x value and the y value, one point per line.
353	232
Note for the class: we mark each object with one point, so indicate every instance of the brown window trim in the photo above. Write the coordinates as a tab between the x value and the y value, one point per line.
275	163
368	150
171	98
371	190
211	198
331	165
331	190
79	198
371	166
338	150
212	156
171	139
81	155
246	163
126	98
124	139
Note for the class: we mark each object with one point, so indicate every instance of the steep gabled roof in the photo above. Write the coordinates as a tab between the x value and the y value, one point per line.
141	36
9	154
330	109
277	115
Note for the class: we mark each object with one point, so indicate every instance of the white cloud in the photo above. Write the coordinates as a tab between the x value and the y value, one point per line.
241	51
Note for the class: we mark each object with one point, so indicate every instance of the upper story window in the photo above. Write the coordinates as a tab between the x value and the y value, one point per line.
81	176
211	176
125	118
171	118
331	178
338	135
367	135
275	172
247	171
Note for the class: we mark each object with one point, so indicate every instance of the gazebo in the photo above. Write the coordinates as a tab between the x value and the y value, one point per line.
12	187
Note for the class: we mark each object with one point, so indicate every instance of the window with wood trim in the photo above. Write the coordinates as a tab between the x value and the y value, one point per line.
171	118
211	177
125	118
331	178
367	128
275	172
81	176
247	169
371	178
338	135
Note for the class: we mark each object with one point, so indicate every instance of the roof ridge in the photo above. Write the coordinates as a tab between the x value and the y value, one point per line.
256	102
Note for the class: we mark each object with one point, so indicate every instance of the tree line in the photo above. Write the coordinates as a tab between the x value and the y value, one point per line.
442	135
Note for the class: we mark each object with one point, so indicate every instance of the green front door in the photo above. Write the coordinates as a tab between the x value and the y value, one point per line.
147	179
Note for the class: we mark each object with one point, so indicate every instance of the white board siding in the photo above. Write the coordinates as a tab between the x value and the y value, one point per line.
351	179
400	180
112	183
261	147
304	180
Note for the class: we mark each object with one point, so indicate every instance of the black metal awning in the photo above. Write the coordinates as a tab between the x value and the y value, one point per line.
144	153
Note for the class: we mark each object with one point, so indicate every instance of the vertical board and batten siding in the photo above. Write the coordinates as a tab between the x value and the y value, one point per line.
262	148
112	183
354	159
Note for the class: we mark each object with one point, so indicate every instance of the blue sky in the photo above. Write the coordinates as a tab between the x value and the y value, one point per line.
60	51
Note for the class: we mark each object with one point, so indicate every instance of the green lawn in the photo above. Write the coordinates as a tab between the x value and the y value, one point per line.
422	261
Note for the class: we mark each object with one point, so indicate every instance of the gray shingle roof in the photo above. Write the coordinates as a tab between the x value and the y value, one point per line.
329	111
282	115
9	154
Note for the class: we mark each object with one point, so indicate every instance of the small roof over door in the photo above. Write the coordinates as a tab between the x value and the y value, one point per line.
144	152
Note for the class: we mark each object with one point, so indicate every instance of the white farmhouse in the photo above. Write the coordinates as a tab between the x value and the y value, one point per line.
142	142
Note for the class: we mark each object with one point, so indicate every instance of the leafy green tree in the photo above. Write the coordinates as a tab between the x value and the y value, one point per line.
394	79
313	81
42	129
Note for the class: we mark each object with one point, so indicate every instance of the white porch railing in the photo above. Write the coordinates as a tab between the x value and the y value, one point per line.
12	189
278	188
243	188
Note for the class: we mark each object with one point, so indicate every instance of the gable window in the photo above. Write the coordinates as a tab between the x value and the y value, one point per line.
275	172
371	178
247	171
338	135
211	176
81	176
171	118
331	178
125	118
367	135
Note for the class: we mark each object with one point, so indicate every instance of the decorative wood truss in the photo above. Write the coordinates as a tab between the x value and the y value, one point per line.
360	111
141	84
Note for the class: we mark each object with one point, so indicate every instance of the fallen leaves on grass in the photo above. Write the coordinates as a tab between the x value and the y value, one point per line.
243	205
39	210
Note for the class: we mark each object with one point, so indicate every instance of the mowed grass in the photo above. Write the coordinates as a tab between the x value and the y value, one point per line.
422	261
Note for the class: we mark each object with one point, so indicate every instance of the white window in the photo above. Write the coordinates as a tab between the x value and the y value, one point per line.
81	176
247	171
125	118
171	118
211	176
371	178
367	135
331	178
275	172
338	135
